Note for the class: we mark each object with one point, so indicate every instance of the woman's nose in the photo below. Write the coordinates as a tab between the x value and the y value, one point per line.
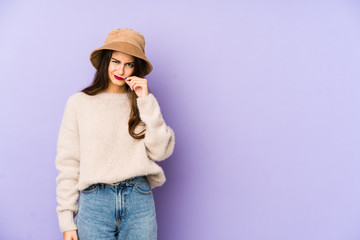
121	70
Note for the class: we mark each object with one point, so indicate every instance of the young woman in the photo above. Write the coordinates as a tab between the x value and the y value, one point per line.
111	137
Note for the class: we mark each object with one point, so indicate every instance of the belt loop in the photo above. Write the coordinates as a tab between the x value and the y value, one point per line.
130	181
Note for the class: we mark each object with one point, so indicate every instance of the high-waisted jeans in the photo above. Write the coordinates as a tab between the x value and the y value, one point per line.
124	210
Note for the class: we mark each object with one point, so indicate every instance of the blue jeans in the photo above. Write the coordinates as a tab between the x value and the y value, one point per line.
124	210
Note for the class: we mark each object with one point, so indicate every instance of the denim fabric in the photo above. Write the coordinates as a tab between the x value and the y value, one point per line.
123	210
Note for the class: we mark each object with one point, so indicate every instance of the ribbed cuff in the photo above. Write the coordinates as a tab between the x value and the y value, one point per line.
66	221
149	110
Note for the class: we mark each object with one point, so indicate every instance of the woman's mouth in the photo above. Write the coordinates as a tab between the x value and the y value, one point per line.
118	78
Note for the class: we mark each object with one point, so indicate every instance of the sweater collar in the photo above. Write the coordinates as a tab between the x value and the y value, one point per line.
112	96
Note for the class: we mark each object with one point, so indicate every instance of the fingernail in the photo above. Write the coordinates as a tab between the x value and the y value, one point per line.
125	78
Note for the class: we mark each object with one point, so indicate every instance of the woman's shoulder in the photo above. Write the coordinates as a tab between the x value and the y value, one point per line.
76	98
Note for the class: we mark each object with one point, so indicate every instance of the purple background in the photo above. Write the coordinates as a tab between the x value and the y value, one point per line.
263	97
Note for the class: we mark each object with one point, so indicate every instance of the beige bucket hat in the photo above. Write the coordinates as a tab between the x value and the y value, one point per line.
124	40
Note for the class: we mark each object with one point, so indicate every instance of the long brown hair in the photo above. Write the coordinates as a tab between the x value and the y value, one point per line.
101	82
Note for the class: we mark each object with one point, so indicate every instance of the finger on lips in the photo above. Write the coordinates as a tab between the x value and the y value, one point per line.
127	80
131	81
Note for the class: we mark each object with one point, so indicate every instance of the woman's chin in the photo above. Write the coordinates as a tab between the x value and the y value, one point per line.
118	83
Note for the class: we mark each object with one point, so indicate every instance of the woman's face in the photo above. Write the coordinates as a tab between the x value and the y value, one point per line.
121	66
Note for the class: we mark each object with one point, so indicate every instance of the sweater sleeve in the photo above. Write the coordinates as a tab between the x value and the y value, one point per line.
159	138
67	164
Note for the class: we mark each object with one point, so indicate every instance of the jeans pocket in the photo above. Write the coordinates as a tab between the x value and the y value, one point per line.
142	186
92	188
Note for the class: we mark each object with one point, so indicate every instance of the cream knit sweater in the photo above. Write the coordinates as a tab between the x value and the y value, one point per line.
94	146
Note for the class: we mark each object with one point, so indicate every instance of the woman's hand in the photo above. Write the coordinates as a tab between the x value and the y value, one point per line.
139	85
70	235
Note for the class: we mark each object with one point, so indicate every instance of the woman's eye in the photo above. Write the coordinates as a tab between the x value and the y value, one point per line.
130	65
115	61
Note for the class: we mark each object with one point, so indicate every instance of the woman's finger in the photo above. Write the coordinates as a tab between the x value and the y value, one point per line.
129	81
134	82
139	84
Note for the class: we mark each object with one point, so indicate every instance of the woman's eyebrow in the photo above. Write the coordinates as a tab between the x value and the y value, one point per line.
120	61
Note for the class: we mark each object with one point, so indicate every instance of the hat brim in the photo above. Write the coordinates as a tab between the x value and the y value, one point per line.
124	47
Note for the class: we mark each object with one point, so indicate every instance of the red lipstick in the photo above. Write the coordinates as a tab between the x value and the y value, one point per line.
118	78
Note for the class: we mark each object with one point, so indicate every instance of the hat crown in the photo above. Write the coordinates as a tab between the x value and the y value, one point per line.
126	35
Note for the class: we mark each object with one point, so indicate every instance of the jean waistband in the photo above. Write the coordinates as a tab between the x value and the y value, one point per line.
126	182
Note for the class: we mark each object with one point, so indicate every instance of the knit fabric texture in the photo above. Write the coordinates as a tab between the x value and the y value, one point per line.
94	146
